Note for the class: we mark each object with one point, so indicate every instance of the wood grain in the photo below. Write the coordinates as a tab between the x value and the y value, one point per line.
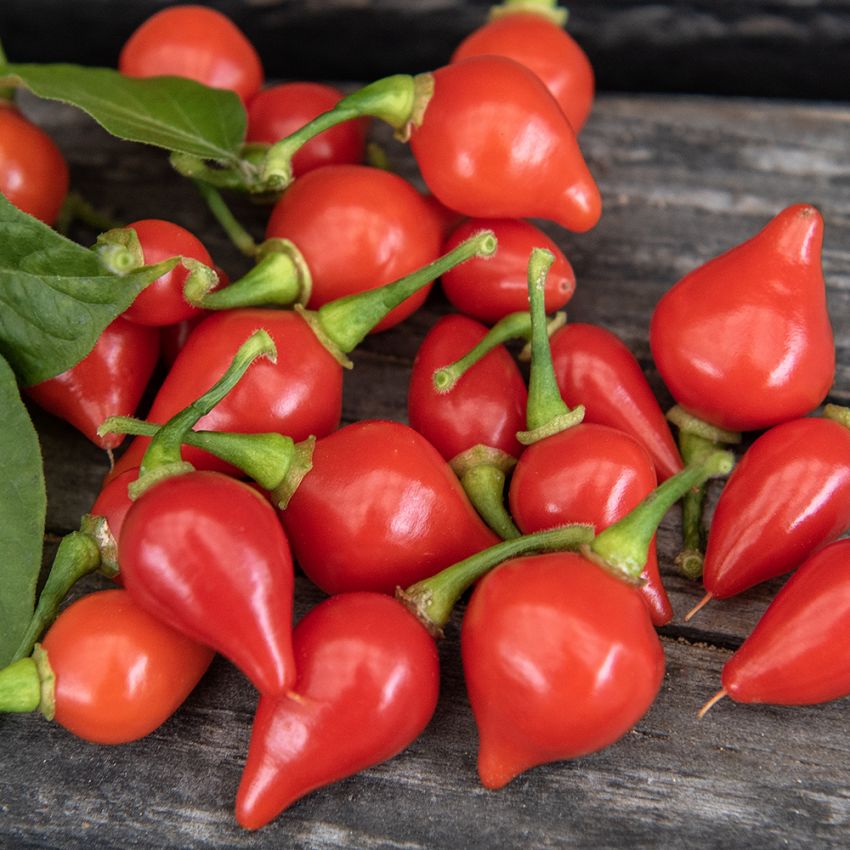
683	179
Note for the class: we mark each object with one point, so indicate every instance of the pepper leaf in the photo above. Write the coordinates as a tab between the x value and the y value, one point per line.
55	296
169	112
22	511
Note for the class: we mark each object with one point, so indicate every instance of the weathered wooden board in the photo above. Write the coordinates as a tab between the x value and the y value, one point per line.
757	47
683	179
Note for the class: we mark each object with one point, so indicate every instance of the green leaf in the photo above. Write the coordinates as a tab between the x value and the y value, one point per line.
22	510
55	296
169	112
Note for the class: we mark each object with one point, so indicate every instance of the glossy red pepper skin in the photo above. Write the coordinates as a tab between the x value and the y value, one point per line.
120	673
206	554
33	172
788	496
589	474
300	395
490	289
197	42
493	143
797	653
357	228
595	368
744	342
279	110
162	302
380	509
486	407
367	685
109	381
547	49
560	660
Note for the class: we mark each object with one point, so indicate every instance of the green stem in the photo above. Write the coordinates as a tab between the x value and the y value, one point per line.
433	599
163	457
548	9
547	413
346	321
195	168
238	235
623	547
279	279
393	100
685	421
77	556
693	449
485	487
512	326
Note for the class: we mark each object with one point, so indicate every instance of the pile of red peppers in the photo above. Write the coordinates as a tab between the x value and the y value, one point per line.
536	501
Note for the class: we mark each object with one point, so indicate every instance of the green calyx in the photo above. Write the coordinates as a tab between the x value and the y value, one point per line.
685	421
28	684
837	413
548	9
547	414
120	250
279	279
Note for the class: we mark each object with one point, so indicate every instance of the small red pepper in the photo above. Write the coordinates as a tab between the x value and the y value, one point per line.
379	508
797	654
206	554
744	342
196	42
474	426
490	289
788	496
109	381
367	685
107	671
532	33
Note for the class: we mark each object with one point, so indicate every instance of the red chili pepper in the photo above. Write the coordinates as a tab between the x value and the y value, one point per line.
379	509
573	472
301	394
488	290
472	126
357	228
533	34
367	685
162	302
587	474
560	660
219	571
594	367
472	146
109	381
788	496
797	653
744	342
107	671
280	110
197	42
33	171
474	426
